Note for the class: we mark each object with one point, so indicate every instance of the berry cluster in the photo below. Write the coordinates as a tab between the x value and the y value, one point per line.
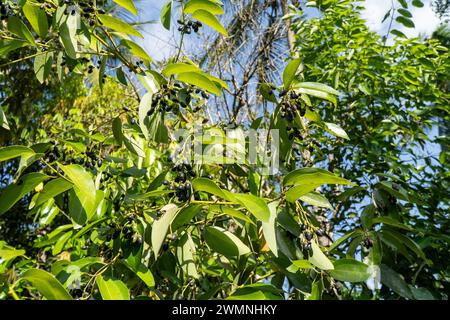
183	172
4	11
290	104
187	26
308	235
368	243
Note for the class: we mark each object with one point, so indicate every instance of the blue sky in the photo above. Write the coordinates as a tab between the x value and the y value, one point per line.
160	43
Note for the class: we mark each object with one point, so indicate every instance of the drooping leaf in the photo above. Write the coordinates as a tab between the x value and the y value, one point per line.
3	121
37	19
46	284
350	270
68	32
185	254
336	130
255	205
43	65
225	242
166	14
112	289
395	281
405	21
117	130
199	80
52	189
269	228
14	192
118	25
319	259
144	106
11	152
210	20
136	50
316	199
161	226
194	5
177	68
16	26
127	4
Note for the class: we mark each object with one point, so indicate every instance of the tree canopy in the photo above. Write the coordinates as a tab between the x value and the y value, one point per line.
295	157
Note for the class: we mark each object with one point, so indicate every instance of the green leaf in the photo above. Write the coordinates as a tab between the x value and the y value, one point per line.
269	228
350	270
161	226
319	259
230	212
302	264
37	19
52	189
177	68
417	3
210	20
390	222
3	121
118	25
342	239
408	242
185	255
11	45
43	65
127	4
398	33
316	199
46	284
301	88
144	106
11	152
290	72
112	289
166	14
405	21
185	216
199	80
10	253
194	5
117	130
307	179
395	281
255	205
85	192
206	185
136	50
14	192
405	13
16	26
224	242
68	32
336	130
317	86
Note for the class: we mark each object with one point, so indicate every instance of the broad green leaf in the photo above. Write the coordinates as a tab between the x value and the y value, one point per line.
257	291
316	199
11	45
417	3
43	65
405	21
398	33
144	106
210	20
177	68
224	242
143	273
52	189
206	185
68	32
37	19
395	281
161	226
16	26
84	190
405	13
230	212
11	152
46	284
342	239
199	80
319	259
336	130
316	93
166	14
302	264
269	228
59	245
10	253
118	25
112	289
185	255
194	5
290	71
127	4
408	242
390	222
136	50
185	216
14	192
316	86
255	205
350	270
421	293
313	175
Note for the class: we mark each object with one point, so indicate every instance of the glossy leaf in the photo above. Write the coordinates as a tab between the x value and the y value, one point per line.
46	284
127	4
161	226
118	25
210	20
319	259
112	289
290	71
52	189
194	5
350	270
225	242
166	14
199	80
37	18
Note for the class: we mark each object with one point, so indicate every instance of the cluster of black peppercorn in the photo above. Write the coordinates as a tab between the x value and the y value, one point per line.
183	172
187	26
308	235
46	5
166	99
54	154
290	104
117	201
